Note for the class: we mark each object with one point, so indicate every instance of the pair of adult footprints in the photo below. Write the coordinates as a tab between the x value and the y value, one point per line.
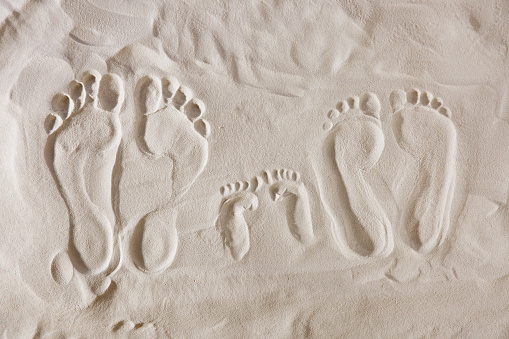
240	196
423	129
84	137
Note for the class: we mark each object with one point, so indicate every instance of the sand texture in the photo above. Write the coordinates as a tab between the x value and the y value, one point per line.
254	169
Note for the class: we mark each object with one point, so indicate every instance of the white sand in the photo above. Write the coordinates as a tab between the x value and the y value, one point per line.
220	169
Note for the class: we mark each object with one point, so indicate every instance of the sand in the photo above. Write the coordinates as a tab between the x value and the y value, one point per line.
277	169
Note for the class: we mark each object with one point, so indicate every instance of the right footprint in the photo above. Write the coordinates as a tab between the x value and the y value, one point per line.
173	128
289	187
423	128
353	146
231	222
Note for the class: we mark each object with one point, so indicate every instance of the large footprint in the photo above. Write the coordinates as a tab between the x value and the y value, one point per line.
352	147
172	127
84	135
423	128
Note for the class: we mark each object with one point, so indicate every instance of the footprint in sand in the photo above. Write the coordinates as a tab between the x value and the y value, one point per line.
84	135
130	330
171	127
353	146
231	222
423	128
289	188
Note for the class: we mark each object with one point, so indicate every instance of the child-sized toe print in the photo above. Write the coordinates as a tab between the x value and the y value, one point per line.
172	127
352	146
423	128
84	136
237	198
292	191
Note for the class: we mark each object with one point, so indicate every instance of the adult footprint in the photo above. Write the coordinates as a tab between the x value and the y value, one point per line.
172	127
289	187
423	128
176	130
353	146
231	222
84	135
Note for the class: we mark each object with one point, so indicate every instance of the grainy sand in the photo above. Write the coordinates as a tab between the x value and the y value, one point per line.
218	169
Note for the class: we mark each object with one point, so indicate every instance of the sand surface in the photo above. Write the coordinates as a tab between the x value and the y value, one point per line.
254	169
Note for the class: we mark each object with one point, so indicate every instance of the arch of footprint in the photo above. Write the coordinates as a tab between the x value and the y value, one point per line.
84	135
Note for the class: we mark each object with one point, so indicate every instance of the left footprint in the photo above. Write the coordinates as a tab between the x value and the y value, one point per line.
84	136
353	145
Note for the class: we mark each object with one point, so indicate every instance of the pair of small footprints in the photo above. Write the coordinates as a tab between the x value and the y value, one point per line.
240	196
422	127
129	329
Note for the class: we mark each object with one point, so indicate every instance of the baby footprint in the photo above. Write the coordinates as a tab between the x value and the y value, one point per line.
288	187
231	222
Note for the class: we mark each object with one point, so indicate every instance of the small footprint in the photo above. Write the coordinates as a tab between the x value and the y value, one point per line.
128	329
289	187
84	135
353	146
423	128
231	222
171	127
